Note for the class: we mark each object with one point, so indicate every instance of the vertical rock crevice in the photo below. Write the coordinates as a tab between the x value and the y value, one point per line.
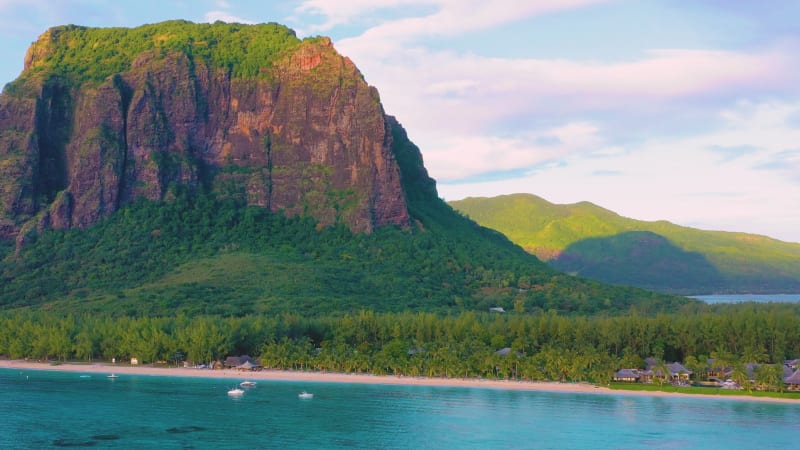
268	149
125	94
53	127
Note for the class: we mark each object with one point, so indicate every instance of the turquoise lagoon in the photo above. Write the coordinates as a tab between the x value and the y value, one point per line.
43	409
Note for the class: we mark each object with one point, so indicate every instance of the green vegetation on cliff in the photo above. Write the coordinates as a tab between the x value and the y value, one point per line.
93	54
590	241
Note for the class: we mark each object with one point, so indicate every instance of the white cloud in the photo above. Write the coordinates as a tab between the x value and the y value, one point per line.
450	16
338	12
5	4
441	95
32	17
213	16
457	157
662	134
664	73
458	106
682	179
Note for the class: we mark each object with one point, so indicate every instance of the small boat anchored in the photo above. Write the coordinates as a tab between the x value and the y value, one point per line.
305	395
235	392
113	376
247	383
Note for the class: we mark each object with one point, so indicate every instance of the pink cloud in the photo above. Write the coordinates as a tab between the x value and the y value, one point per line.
451	16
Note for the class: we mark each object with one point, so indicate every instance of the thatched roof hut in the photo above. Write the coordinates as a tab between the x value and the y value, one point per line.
630	375
247	365
232	362
793	381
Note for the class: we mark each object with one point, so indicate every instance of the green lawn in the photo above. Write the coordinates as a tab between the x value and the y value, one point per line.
700	390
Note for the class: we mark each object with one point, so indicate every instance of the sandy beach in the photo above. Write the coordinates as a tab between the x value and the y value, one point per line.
322	377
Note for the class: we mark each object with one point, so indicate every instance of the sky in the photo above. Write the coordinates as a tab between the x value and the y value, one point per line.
678	110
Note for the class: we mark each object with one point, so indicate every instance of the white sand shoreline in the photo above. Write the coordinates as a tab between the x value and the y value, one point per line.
325	377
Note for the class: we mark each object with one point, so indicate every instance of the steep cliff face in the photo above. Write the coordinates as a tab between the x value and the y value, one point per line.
301	132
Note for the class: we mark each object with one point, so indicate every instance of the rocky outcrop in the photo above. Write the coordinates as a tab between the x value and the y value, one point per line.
307	136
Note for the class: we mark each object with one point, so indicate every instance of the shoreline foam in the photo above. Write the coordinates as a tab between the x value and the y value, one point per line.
328	377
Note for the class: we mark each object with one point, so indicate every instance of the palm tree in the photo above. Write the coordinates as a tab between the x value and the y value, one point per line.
722	360
754	354
660	367
739	375
694	365
770	377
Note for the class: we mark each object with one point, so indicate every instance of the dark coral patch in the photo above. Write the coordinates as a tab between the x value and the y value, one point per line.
186	429
105	437
73	443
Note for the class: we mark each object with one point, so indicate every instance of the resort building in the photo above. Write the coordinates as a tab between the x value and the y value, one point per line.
627	375
793	381
677	373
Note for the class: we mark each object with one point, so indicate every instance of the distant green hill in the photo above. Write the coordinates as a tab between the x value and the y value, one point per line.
590	241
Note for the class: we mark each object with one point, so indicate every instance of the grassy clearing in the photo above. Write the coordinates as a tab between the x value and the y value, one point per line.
695	390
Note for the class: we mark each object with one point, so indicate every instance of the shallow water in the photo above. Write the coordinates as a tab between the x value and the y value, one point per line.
43	409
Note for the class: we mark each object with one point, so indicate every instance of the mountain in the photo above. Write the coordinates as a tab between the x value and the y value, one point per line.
235	169
101	117
590	241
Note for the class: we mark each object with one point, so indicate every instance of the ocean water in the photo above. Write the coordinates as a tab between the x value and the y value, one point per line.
757	298
40	409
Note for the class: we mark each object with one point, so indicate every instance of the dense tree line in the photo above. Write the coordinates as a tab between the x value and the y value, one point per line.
544	346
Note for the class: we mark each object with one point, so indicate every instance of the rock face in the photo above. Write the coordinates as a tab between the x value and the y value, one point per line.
306	135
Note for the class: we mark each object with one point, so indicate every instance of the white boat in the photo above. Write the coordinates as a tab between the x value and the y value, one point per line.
247	383
112	376
236	392
305	395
